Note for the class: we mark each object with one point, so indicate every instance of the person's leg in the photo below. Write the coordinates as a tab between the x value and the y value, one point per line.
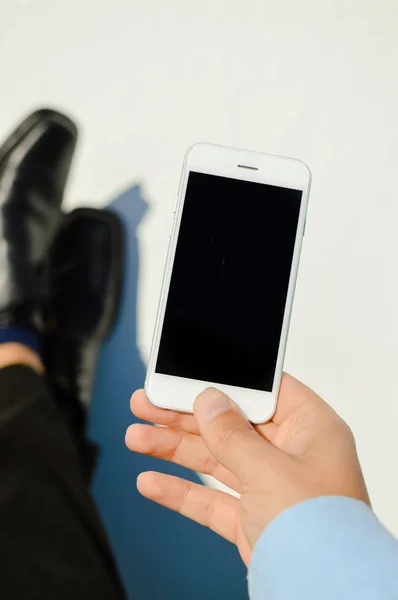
59	292
52	544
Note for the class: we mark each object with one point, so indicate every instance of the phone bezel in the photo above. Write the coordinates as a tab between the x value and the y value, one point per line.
178	393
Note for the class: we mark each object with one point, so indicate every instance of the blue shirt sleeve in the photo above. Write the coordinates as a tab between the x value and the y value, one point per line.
328	548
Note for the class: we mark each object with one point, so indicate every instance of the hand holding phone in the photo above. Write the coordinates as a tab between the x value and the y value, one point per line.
229	280
306	451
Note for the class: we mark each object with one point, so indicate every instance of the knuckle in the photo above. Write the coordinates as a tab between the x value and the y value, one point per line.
176	447
342	429
185	499
232	434
143	433
348	434
209	465
209	513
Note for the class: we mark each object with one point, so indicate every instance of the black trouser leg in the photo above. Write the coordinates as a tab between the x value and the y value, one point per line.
52	544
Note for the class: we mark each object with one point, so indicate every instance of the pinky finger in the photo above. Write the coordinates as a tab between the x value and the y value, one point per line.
213	509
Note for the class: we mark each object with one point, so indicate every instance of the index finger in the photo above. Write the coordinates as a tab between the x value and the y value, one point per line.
142	408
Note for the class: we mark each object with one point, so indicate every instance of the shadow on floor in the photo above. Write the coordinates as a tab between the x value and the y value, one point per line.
161	555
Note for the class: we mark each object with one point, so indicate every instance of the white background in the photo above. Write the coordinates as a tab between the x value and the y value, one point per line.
312	79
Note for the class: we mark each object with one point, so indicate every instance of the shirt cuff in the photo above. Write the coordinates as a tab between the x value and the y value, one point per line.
324	548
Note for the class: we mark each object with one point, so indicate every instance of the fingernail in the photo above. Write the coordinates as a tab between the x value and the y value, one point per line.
212	403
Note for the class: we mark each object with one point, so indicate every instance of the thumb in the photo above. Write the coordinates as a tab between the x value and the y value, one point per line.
229	436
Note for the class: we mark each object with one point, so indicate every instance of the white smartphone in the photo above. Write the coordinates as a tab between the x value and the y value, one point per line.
228	286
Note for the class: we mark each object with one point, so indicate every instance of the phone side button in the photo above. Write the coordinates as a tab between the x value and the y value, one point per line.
305	225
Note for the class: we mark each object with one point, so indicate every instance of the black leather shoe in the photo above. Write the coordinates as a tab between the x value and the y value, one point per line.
86	269
34	166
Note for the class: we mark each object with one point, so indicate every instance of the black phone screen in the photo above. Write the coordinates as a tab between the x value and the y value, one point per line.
229	282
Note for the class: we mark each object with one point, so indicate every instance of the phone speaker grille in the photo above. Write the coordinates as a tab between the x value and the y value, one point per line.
248	167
